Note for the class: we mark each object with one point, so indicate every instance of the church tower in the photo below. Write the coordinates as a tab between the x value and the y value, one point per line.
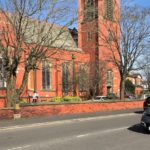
95	18
87	26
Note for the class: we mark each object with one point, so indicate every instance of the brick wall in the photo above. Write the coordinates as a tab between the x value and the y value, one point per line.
61	109
2	103
6	113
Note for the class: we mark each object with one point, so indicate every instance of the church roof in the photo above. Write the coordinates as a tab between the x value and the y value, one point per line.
57	36
45	33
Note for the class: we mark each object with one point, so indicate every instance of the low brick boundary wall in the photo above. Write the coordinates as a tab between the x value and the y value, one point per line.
6	113
2	102
73	108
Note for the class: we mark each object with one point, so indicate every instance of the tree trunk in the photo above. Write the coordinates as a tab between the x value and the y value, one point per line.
122	88
93	93
9	93
12	93
24	82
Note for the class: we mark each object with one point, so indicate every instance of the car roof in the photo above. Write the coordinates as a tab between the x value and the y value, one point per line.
100	96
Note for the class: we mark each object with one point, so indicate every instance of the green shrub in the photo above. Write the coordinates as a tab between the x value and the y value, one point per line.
72	99
44	101
66	99
23	101
129	87
57	99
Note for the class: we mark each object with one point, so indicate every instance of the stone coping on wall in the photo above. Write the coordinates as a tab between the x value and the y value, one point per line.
76	103
7	108
70	103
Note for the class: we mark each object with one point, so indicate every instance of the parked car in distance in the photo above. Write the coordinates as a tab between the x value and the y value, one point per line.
132	97
145	120
100	98
146	103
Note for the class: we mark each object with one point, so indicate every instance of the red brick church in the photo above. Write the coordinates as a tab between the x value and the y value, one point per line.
67	72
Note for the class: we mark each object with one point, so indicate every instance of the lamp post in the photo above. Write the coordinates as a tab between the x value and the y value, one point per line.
34	77
74	75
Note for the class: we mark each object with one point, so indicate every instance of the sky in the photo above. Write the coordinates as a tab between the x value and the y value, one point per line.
143	3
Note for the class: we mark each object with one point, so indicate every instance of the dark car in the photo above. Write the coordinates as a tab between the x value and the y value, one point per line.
146	103
145	121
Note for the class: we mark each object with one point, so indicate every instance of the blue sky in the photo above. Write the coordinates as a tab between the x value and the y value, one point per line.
144	3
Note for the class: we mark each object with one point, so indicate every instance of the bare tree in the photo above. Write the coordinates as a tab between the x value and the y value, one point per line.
96	78
28	32
91	78
127	39
146	73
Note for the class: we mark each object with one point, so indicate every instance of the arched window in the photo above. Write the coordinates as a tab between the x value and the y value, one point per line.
110	36
110	83
65	77
83	78
2	74
46	79
109	77
109	9
89	3
89	10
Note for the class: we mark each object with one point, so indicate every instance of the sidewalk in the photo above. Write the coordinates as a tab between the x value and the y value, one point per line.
28	121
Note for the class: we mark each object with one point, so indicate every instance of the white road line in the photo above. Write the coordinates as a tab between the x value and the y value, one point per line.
102	132
65	121
21	147
79	137
72	138
82	135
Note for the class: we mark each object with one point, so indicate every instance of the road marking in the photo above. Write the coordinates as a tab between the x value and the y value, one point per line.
67	139
65	121
102	132
82	135
72	138
21	147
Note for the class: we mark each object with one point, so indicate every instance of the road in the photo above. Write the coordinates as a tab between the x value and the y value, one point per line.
108	132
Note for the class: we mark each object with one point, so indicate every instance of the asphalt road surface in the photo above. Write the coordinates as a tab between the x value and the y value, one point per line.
108	132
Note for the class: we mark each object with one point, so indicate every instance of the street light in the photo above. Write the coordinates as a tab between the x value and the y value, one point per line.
34	77
74	74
